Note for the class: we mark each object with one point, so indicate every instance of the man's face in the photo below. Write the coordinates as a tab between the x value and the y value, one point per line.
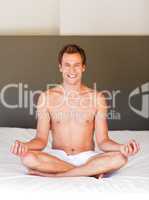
72	68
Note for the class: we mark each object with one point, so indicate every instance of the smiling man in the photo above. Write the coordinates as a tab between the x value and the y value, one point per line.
74	113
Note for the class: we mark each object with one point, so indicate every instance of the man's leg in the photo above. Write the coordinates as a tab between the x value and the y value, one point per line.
100	164
37	161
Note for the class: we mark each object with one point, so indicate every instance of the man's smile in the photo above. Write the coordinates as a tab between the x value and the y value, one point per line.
71	76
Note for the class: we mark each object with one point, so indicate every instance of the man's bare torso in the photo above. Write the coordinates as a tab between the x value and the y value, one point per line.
72	119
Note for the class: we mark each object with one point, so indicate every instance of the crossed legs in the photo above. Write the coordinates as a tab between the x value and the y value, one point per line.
43	164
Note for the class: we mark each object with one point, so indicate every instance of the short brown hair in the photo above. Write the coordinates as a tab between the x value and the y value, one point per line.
70	49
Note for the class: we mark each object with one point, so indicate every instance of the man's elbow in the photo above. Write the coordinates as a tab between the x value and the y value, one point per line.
102	144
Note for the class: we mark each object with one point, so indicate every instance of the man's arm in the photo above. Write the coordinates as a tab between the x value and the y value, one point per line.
101	132
43	126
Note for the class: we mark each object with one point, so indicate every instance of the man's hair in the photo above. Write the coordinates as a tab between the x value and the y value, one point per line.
70	49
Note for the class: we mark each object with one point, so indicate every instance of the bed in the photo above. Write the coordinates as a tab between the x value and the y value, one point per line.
133	178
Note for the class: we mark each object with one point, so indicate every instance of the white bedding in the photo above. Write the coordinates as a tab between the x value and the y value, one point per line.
133	178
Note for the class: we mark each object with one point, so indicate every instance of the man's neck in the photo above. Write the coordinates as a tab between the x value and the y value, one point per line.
77	87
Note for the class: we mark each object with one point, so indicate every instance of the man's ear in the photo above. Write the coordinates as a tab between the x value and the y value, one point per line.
84	68
60	67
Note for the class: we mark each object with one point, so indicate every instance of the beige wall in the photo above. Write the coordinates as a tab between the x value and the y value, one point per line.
104	17
74	17
29	17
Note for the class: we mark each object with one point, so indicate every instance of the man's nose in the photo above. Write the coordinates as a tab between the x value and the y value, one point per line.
72	69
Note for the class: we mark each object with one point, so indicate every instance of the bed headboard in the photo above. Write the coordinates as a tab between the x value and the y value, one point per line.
118	64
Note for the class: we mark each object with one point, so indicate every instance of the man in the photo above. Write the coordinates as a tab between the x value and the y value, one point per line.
74	113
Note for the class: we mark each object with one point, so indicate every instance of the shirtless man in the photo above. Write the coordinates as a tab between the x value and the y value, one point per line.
74	113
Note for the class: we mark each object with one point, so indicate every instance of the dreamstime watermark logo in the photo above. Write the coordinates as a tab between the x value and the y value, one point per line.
143	92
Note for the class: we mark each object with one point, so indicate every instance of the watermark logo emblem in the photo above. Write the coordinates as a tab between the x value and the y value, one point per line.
143	92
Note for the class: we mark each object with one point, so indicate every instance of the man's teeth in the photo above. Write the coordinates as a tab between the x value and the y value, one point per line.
71	76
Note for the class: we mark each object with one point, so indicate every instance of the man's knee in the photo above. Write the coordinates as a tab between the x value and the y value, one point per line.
30	160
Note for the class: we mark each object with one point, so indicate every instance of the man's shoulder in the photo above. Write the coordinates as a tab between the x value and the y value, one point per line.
98	97
87	90
97	93
101	101
57	90
100	94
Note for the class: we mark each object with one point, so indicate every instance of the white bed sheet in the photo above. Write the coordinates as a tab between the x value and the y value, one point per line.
133	178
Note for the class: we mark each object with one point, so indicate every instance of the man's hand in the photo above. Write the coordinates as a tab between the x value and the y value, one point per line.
19	148
129	149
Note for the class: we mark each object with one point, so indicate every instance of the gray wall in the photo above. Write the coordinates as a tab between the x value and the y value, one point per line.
113	62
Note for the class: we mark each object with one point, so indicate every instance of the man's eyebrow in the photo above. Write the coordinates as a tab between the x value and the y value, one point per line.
78	63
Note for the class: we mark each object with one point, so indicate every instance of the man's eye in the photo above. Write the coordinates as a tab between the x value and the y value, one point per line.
66	65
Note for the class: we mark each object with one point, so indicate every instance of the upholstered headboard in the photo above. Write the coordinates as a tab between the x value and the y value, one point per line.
117	64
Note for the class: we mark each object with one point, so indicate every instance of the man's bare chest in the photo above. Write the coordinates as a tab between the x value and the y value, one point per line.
72	109
68	116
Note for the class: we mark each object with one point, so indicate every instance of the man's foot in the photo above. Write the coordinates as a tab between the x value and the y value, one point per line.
38	173
99	176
